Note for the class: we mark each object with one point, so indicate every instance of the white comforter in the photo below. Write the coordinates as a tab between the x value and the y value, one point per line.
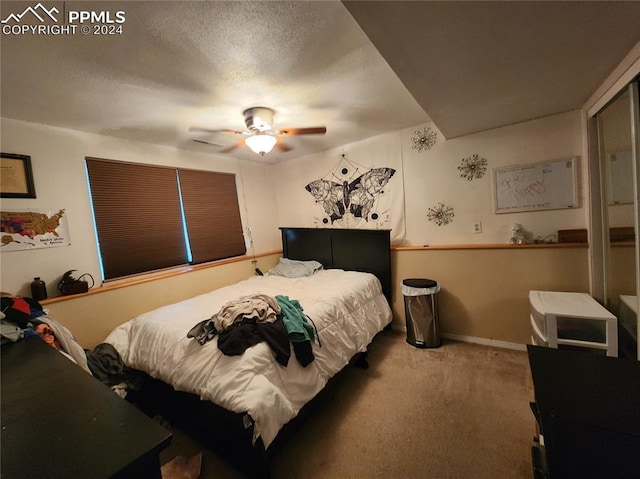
347	307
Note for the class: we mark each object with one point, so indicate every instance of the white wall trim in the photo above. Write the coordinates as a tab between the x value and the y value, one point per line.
621	76
486	342
472	339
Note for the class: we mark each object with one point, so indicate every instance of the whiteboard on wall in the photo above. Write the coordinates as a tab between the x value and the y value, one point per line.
548	185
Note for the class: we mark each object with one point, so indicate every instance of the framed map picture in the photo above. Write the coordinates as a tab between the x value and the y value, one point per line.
30	229
16	177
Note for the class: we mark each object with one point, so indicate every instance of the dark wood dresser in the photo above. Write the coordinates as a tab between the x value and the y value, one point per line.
57	421
588	412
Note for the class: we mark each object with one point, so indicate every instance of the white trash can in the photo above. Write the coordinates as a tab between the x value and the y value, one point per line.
421	312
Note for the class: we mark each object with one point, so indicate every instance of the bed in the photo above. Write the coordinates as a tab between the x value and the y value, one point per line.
246	406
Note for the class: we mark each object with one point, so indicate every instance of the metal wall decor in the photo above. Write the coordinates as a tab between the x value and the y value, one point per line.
474	167
440	214
425	139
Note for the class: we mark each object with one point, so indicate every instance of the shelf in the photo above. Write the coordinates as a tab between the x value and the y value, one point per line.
489	246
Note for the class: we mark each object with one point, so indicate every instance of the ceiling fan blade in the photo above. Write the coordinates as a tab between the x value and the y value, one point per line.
224	130
316	130
232	147
198	140
281	145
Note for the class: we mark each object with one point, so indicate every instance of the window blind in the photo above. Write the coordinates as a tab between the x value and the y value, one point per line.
138	216
212	214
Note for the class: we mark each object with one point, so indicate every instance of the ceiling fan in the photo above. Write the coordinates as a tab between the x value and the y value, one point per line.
260	135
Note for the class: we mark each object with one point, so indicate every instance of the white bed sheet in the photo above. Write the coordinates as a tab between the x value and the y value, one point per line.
347	307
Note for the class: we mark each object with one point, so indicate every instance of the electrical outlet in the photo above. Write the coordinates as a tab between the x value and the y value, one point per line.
477	227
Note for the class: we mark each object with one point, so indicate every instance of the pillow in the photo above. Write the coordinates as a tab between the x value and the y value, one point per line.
292	268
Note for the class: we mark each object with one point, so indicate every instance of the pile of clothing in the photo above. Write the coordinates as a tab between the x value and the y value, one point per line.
22	317
249	320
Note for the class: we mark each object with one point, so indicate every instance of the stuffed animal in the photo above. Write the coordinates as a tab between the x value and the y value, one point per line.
518	234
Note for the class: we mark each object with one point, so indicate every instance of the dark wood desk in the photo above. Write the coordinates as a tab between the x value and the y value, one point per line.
589	413
60	422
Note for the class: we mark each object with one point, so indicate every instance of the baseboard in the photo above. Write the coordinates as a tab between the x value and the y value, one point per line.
472	339
487	342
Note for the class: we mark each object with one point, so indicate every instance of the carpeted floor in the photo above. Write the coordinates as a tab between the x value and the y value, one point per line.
458	411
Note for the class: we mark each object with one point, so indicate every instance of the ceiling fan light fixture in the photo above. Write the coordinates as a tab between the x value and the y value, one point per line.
260	136
258	119
261	143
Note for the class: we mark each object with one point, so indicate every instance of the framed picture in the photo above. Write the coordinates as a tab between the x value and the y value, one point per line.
16	177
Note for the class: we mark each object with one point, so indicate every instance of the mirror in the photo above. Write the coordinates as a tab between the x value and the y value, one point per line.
616	162
620	182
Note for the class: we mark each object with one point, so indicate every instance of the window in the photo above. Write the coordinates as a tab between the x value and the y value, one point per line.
212	215
150	217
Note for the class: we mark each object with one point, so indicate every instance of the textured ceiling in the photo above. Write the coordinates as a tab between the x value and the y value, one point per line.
478	65
467	65
182	64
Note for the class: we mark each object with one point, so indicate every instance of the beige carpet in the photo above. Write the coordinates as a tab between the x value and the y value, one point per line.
458	411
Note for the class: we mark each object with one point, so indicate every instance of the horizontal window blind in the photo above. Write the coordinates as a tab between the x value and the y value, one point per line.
212	214
138	216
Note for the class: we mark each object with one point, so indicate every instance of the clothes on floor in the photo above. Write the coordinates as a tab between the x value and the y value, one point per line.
10	331
20	310
67	341
105	364
47	335
29	317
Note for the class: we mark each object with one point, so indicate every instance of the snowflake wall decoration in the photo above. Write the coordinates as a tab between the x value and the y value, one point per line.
440	214
425	139
474	167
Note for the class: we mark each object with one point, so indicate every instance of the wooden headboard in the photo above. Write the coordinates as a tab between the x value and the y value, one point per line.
353	250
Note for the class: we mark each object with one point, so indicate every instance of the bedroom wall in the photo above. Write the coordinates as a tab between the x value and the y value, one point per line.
485	291
92	317
423	178
57	158
432	176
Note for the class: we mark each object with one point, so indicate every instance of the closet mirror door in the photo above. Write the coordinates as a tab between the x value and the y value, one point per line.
617	157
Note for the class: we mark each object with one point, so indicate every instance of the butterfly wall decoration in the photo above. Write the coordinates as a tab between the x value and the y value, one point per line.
350	189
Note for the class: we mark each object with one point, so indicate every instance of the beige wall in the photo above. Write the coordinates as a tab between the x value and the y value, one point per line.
432	176
92	317
484	292
57	160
